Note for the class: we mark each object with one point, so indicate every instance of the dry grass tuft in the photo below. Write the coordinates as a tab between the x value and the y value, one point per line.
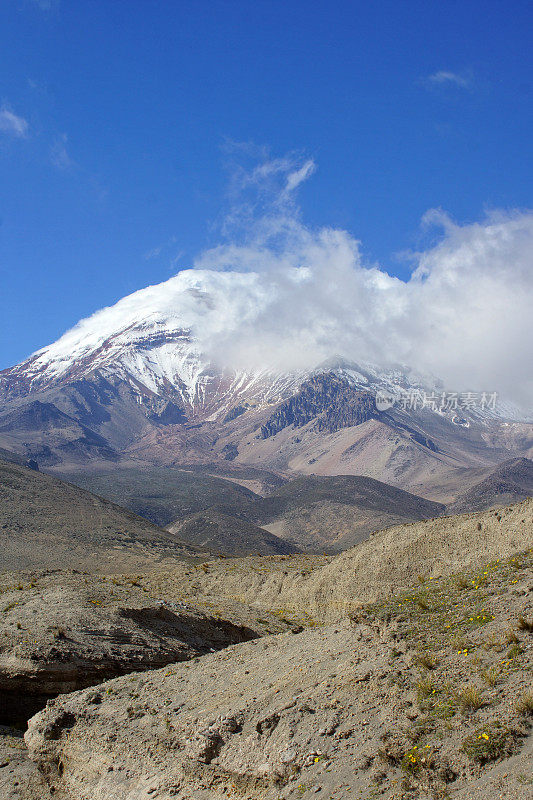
491	676
469	699
426	660
511	638
524	705
426	688
514	651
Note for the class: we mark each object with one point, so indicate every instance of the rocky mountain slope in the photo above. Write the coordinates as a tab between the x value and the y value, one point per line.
313	512
137	381
45	522
219	533
329	588
165	496
425	693
316	513
336	512
509	482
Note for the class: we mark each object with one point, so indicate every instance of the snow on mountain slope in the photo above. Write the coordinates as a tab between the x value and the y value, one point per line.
168	341
159	340
161	377
153	339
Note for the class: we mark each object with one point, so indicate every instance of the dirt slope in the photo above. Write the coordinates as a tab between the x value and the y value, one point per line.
220	533
326	589
64	631
336	512
508	483
425	696
47	523
164	495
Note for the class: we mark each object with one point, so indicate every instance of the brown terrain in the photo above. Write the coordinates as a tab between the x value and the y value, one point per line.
322	424
260	583
316	512
231	536
47	523
404	672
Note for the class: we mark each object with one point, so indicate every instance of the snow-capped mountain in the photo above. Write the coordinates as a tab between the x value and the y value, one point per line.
158	376
148	339
159	342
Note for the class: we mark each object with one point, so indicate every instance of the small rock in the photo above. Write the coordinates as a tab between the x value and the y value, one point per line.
287	756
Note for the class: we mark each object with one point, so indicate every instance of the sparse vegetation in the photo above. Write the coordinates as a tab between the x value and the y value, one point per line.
490	742
511	638
416	758
426	660
491	676
524	705
469	699
436	641
514	651
427	687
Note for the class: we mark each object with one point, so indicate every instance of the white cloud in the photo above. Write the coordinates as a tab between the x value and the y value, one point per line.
59	155
12	124
443	77
464	315
298	176
278	294
46	5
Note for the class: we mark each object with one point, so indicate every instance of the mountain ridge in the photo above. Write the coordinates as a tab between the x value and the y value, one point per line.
141	382
46	522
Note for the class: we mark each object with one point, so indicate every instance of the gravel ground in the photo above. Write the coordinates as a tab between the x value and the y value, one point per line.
426	695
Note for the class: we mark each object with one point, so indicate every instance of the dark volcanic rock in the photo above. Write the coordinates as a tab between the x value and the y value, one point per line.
41	420
168	413
235	412
328	398
231	451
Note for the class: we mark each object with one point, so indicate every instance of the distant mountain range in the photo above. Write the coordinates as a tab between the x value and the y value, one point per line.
509	482
45	521
308	513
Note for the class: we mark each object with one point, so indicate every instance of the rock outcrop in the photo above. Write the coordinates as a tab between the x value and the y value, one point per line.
333	401
63	635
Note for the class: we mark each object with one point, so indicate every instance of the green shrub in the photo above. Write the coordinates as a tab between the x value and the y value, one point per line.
490	743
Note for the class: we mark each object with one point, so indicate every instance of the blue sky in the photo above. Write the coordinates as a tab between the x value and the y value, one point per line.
115	119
